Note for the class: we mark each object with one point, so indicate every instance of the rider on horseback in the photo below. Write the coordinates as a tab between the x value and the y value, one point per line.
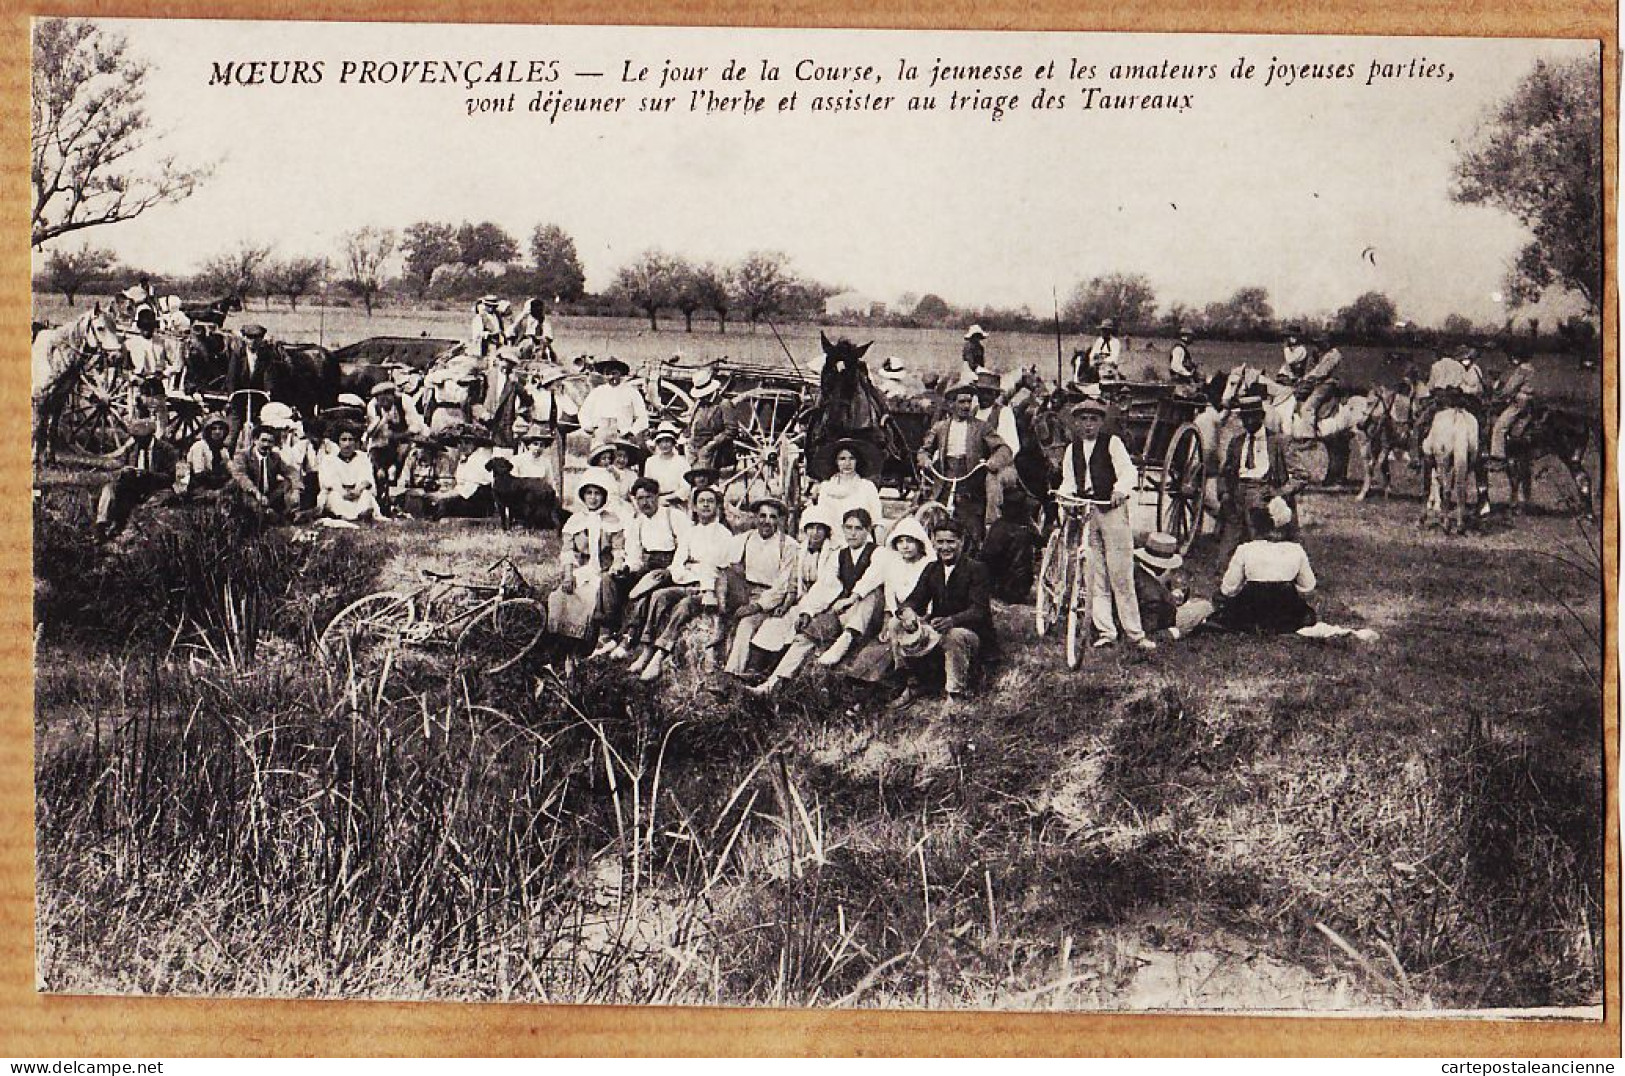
1455	380
1515	395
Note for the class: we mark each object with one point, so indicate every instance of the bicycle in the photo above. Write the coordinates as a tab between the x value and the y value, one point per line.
1063	588
499	626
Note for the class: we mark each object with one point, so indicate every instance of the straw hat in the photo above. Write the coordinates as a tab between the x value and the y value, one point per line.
974	332
1161	551
918	641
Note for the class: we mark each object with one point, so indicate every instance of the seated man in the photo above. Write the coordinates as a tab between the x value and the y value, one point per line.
951	600
696	571
1163	591
1517	394
258	481
346	481
777	628
147	468
1009	549
652	532
761	557
205	470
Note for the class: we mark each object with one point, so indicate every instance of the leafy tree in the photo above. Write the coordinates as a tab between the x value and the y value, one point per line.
685	293
1539	157
485	242
293	279
1127	297
558	267
1457	325
649	283
72	271
428	245
88	129
932	308
712	285
365	251
235	272
763	285
1248	311
1371	315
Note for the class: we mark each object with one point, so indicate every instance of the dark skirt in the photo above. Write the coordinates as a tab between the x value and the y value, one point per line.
1265	608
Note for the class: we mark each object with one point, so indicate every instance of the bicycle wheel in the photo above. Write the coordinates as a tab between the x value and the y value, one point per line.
1077	612
366	626
1049	606
503	634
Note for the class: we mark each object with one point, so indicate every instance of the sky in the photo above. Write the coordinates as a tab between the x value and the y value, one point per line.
1318	190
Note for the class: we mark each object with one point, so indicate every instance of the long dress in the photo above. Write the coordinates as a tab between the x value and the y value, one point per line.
846	494
592	546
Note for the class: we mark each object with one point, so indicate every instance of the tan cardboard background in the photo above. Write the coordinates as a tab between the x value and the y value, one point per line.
32	1025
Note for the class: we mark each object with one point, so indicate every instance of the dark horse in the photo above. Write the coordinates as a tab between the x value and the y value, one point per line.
1549	431
214	311
849	406
303	376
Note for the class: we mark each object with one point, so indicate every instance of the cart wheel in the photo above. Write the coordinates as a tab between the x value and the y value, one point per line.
503	634
1077	612
674	401
94	418
185	420
366	626
1180	495
1052	581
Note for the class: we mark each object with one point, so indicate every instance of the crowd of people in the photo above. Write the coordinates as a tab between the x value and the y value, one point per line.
645	546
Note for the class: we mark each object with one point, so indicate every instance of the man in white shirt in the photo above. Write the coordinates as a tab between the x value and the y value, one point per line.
615	408
1097	468
1327	360
762	558
1181	367
1105	355
488	330
346	481
1294	358
702	552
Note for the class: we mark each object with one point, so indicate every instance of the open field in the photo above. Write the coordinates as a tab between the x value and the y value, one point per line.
922	349
1225	823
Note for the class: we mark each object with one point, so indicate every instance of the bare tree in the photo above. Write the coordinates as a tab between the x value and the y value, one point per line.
71	271
235	272
88	129
293	279
685	292
365	251
649	283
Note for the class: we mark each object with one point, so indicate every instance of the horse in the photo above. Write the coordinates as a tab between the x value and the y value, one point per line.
59	357
1451	455
848	404
1380	434
214	311
1550	431
306	377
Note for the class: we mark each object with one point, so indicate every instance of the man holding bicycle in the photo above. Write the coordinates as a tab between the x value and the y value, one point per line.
956	454
1096	469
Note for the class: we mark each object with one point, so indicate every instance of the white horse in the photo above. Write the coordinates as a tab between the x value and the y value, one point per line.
1451	452
59	356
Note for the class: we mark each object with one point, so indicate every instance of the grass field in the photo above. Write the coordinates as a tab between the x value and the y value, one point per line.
1225	823
922	349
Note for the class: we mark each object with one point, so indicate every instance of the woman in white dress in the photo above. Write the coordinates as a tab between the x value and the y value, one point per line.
847	486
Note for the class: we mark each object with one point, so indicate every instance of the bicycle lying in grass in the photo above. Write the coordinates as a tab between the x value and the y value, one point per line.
493	625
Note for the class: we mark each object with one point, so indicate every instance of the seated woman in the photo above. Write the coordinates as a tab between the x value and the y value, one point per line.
592	549
842	608
652	531
347	481
620	460
900	575
529	490
696	570
666	465
1268	580
773	631
849	461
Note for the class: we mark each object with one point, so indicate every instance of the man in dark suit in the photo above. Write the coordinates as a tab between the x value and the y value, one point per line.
1254	472
258	479
251	368
951	599
147	469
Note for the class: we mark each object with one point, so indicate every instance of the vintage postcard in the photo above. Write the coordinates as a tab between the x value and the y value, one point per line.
819	518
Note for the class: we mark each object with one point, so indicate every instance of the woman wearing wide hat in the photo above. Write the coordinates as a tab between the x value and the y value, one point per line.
851	464
592	550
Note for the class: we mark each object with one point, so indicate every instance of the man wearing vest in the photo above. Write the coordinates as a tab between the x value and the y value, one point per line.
1097	468
148	469
954	448
1181	367
1254	472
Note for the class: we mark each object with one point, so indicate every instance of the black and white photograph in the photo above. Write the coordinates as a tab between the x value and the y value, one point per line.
899	519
